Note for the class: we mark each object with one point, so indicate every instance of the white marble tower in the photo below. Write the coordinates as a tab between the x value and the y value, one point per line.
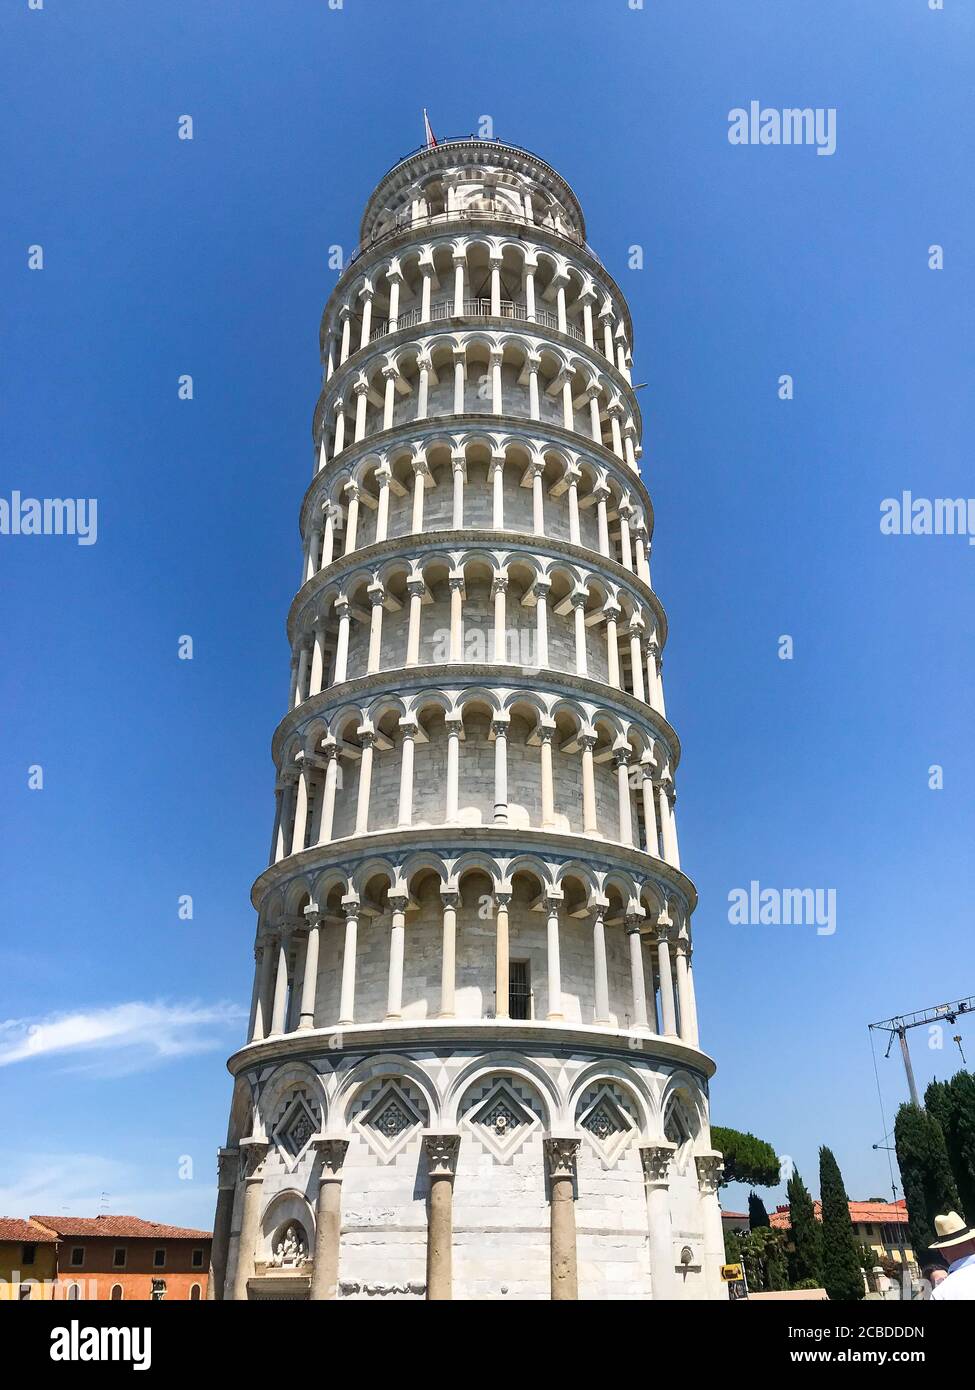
473	1066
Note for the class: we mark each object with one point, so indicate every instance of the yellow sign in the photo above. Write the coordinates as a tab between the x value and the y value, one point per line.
732	1273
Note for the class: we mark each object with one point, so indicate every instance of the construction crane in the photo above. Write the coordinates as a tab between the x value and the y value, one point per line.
898	1026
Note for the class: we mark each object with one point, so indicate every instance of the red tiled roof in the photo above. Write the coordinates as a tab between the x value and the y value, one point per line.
863	1213
119	1227
13	1228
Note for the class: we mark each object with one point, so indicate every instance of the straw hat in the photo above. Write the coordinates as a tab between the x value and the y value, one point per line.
951	1231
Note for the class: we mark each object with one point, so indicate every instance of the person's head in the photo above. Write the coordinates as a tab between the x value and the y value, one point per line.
934	1274
955	1238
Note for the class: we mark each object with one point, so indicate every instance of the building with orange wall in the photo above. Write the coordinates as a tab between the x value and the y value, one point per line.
123	1257
28	1259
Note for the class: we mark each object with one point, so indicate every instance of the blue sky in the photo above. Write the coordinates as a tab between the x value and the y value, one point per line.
209	257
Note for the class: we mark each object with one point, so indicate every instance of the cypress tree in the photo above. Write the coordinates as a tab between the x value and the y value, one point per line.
953	1105
842	1279
807	1233
926	1176
757	1214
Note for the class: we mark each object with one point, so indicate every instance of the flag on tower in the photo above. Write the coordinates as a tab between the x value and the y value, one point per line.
429	136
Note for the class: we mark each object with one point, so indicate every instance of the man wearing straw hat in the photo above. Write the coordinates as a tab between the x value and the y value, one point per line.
957	1240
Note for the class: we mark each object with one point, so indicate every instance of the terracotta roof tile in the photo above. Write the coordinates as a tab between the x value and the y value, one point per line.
31	1232
119	1227
865	1213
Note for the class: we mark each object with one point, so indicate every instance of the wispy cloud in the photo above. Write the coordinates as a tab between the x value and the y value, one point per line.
138	1033
84	1184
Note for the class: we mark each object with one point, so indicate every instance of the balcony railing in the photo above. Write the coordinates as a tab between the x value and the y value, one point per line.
474	308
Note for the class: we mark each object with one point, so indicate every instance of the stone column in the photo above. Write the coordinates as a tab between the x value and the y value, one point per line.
456	585
377	597
600	972
656	1176
611	612
501	986
546	735
459	262
448	953
460	379
397	947
301	812
497	402
302	682
252	1155
500	729
601	493
281	984
552	906
441	1151
649	813
587	742
668	839
454	728
538	497
710	1166
638	981
416	588
347	1001
497	492
621	757
636	660
263	990
579	617
226	1188
345	315
342	612
367	738
458	463
331	754
688	1032
540	591
499	589
328	1217
667	1011
420	475
561	1157
309	980
410	729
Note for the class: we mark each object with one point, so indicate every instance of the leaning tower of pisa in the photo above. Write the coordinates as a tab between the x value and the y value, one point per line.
473	1067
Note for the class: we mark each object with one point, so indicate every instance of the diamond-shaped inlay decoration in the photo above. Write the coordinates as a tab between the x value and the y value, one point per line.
294	1131
606	1122
390	1120
501	1120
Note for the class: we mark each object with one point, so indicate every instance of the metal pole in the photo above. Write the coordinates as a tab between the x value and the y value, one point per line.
902	1034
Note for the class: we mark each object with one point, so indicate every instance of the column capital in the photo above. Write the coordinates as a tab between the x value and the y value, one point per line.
442	1150
560	1155
332	1148
313	915
710	1167
553	900
454	724
350	905
416	587
397	902
499	584
450	897
655	1157
502	899
622	756
252	1155
499	726
633	921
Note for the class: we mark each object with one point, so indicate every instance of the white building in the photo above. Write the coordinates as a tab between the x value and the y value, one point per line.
473	1068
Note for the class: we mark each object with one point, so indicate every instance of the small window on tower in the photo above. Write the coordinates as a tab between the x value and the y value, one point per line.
519	989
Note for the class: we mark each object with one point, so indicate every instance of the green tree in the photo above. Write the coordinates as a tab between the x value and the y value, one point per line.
732	1248
841	1265
929	1187
807	1234
757	1213
953	1105
746	1158
763	1255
